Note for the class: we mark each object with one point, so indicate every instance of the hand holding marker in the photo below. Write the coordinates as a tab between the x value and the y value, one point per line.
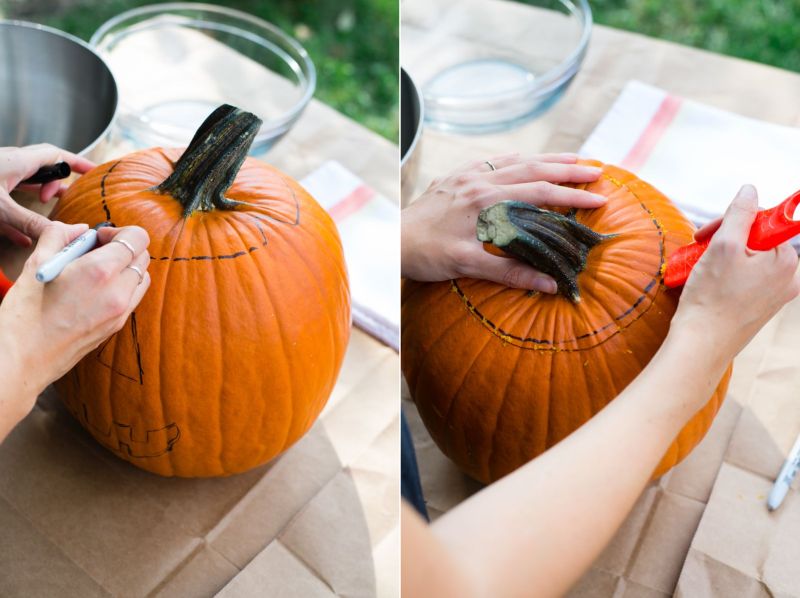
50	327
45	174
79	246
50	270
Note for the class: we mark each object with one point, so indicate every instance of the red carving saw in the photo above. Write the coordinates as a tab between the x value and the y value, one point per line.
770	228
5	284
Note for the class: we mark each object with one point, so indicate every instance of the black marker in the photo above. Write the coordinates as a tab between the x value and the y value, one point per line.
46	174
84	243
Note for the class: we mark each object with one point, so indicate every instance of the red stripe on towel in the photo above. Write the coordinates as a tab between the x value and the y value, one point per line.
652	134
351	203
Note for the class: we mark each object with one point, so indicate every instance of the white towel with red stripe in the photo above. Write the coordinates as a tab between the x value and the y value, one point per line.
699	156
369	225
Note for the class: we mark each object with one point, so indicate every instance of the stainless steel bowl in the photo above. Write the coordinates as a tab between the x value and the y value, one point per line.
53	89
411	119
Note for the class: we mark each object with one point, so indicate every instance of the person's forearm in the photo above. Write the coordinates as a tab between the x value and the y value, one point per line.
18	391
538	529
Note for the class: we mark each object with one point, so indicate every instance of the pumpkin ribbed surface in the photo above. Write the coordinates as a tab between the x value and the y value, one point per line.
236	346
499	375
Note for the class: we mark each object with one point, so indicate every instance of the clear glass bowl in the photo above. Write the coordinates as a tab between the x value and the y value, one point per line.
174	63
489	65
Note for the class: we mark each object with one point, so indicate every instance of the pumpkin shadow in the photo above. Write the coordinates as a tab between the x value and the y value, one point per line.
115	528
737	438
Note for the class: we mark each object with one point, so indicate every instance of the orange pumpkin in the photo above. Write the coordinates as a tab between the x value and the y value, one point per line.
499	375
236	346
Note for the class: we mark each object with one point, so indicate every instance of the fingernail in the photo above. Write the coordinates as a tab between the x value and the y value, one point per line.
545	285
748	191
599	197
594	170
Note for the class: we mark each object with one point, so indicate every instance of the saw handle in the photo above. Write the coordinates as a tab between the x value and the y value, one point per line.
770	228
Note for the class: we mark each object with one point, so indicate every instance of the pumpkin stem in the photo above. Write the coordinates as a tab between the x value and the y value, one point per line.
212	160
549	241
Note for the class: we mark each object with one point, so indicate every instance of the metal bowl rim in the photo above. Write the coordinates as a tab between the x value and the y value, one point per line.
80	42
420	120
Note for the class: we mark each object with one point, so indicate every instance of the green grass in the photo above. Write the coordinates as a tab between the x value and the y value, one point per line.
353	43
765	31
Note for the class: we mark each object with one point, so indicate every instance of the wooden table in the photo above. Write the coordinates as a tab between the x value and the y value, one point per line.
647	557
321	520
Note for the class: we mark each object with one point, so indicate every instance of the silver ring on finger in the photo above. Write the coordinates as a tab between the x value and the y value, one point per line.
138	271
127	245
490	165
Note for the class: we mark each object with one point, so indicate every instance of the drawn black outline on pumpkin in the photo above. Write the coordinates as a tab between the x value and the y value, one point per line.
171	433
131	323
256	217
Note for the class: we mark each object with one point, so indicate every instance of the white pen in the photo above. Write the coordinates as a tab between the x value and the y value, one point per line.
785	477
55	265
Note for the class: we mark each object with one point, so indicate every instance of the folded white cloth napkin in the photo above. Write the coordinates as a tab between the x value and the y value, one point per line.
369	225
699	156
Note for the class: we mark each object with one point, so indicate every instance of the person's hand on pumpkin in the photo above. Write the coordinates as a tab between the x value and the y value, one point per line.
20	224
45	329
438	229
733	291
